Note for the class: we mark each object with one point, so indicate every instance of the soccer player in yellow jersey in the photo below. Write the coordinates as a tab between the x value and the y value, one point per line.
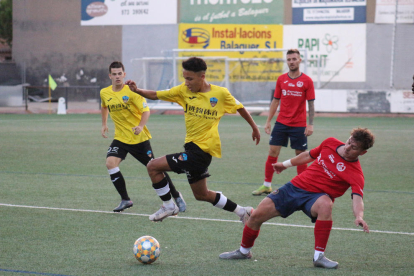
204	104
130	113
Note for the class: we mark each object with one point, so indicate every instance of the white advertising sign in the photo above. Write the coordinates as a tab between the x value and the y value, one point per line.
327	3
339	48
328	14
385	11
128	12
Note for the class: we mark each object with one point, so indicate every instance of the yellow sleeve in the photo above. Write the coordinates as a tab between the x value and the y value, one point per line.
231	104
103	104
141	103
171	95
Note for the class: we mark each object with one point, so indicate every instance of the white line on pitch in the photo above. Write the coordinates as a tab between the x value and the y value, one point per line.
193	218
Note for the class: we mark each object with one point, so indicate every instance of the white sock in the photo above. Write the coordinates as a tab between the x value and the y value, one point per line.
267	184
244	250
168	204
316	255
239	210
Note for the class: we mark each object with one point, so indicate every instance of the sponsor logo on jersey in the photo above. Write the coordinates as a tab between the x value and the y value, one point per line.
299	84
213	101
144	105
182	157
284	92
291	84
125	99
321	163
285	81
331	157
340	166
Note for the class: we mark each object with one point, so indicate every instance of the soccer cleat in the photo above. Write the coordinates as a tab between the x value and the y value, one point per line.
324	262
262	190
182	206
125	204
163	212
247	213
235	255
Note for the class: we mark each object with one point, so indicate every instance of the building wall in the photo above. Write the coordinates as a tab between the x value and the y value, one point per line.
48	39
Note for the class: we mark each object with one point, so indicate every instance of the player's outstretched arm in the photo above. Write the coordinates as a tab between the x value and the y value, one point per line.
104	114
358	208
246	115
149	94
298	160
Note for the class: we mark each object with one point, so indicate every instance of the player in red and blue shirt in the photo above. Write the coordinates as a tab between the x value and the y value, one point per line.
292	91
335	168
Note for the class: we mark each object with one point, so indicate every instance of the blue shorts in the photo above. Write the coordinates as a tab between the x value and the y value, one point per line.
289	199
282	133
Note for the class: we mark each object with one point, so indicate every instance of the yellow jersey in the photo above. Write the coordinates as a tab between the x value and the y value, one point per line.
126	108
202	113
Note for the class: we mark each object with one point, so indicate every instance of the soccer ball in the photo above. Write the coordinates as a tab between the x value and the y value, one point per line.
146	249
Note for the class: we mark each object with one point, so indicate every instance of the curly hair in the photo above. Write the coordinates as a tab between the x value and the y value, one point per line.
194	64
364	137
116	64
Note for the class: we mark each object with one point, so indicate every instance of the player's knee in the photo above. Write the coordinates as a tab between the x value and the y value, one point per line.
325	207
110	164
151	168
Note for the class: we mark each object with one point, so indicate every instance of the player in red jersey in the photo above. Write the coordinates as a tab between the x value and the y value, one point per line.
335	168
292	91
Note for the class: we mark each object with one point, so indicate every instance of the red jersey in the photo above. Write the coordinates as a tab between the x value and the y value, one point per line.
330	173
293	94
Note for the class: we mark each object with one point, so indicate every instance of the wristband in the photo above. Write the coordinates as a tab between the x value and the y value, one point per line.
287	163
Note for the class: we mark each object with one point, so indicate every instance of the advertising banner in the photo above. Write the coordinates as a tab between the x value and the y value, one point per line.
328	12
385	11
239	37
232	11
364	101
339	49
128	12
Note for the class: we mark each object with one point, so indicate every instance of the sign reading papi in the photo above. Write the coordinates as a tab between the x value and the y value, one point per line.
128	12
234	36
340	49
328	11
232	11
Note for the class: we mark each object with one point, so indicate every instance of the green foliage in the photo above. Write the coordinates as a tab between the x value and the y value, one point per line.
6	21
58	161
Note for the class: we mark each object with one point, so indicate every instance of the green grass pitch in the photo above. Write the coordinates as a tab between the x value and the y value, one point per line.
56	200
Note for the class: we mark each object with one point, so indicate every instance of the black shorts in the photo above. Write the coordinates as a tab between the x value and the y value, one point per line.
193	161
142	151
282	133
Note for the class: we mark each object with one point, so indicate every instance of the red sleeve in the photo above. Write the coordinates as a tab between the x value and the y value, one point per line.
314	153
278	90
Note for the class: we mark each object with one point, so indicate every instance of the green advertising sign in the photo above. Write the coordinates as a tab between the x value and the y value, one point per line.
232	11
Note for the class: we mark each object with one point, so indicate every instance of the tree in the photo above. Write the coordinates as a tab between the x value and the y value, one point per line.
6	21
